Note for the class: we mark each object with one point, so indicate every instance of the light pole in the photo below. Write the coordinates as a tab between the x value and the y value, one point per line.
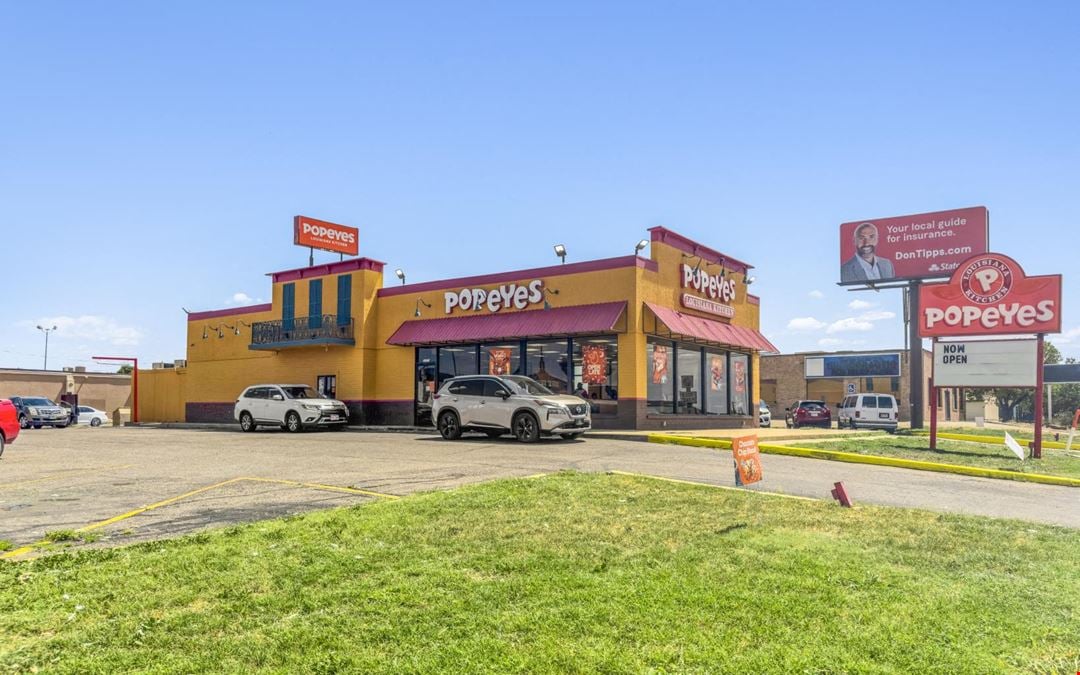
46	331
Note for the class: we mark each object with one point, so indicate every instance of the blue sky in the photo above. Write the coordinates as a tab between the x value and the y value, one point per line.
152	156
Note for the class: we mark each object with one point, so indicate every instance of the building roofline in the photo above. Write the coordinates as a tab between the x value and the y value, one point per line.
687	245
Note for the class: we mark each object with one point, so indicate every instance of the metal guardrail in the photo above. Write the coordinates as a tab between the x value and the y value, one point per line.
302	329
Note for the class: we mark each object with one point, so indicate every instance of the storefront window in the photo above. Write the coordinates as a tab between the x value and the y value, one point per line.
501	359
596	370
659	385
689	371
454	361
547	364
740	384
716	393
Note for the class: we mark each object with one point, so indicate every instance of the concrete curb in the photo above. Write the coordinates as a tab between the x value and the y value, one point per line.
995	440
771	448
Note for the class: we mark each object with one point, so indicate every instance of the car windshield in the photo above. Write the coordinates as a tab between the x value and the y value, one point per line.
527	385
37	401
301	392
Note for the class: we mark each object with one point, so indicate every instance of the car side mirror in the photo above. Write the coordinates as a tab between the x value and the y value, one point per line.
277	397
503	394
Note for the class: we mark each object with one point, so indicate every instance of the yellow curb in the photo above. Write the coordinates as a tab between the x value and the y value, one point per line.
165	502
996	440
710	485
874	460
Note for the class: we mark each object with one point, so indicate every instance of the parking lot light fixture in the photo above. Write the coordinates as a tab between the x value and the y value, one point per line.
45	330
640	246
400	275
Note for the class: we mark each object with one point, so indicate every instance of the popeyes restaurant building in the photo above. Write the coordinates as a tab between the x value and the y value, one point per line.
669	341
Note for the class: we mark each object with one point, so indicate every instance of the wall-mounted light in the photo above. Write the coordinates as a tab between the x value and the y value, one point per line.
221	334
238	324
420	301
560	251
547	292
640	245
697	267
749	280
400	273
206	331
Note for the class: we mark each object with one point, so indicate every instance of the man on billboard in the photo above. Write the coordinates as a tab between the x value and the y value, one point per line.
866	265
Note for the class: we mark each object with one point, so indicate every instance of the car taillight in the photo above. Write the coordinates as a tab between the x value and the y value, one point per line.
800	411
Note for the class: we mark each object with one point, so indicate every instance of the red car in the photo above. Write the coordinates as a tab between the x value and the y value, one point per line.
808	413
9	423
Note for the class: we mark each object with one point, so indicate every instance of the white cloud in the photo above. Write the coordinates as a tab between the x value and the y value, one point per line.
860	304
805	323
1067	337
89	327
877	315
816	294
242	298
849	324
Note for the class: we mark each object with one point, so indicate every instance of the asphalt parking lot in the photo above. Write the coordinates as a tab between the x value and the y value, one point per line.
133	484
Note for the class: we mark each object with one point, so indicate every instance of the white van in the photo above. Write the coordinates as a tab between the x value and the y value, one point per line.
868	411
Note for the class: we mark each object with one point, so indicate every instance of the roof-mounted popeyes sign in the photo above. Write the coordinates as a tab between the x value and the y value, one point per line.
989	294
326	236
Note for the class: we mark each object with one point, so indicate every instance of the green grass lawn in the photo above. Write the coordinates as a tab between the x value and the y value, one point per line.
568	573
965	453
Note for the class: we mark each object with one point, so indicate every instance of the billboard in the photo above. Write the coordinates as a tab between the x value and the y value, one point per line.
989	294
922	246
985	363
326	236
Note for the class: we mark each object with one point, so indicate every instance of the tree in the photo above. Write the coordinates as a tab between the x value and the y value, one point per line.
125	369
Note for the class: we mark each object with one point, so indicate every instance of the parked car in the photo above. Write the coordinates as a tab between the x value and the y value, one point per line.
293	407
807	413
496	405
868	411
37	411
9	423
92	416
764	414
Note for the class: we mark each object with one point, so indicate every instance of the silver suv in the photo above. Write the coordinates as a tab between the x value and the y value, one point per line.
290	406
496	405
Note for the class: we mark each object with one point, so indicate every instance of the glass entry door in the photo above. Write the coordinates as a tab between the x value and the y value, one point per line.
424	385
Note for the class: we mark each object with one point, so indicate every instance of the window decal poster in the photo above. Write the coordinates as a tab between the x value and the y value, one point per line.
716	373
594	364
499	361
659	364
740	377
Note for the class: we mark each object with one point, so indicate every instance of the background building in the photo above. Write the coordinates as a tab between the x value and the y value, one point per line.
104	391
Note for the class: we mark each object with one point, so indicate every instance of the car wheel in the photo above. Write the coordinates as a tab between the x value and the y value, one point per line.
1	445
37	426
24	422
247	423
449	426
96	422
526	428
494	434
292	422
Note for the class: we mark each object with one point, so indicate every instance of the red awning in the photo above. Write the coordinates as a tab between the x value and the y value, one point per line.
698	328
599	318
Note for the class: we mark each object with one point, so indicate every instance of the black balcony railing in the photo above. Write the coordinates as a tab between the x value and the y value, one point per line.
324	329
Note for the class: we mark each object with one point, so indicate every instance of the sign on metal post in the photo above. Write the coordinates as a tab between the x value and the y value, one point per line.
326	236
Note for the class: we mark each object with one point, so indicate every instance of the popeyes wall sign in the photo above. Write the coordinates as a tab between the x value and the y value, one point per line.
717	290
989	294
507	296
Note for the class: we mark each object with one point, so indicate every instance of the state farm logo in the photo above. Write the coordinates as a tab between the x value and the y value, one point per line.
986	280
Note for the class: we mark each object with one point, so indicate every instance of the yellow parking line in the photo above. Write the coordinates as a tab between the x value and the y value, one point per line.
320	486
61	476
710	485
165	502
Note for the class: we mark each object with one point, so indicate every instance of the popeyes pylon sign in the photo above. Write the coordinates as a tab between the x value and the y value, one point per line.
989	294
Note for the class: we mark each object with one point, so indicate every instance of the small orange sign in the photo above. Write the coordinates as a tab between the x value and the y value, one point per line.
747	459
326	236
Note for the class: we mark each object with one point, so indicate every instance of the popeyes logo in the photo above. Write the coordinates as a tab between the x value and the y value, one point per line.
989	294
507	296
325	236
717	289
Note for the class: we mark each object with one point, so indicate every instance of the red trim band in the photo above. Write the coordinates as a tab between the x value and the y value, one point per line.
328	268
676	240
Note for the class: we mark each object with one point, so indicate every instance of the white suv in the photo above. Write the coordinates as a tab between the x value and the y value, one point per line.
290	406
496	405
